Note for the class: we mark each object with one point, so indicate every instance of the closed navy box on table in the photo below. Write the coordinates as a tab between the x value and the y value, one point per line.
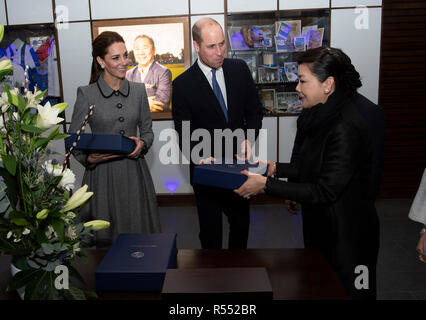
137	262
115	143
226	175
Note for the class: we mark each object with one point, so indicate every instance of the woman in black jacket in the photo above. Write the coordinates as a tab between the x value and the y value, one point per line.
333	172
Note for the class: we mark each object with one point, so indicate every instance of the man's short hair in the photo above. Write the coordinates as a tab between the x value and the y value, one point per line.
144	36
198	26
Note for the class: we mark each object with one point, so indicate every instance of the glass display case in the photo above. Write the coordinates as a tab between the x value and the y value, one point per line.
270	42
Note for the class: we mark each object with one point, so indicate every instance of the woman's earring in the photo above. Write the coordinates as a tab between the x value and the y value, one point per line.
102	66
327	90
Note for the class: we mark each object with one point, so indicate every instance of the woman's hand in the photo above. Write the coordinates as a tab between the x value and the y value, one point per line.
254	184
101	157
421	247
139	145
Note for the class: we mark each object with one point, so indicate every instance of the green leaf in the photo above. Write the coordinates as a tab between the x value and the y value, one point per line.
4	73
76	293
31	129
75	274
61	136
20	222
22	279
12	98
40	95
12	187
42	142
59	227
22	103
54	132
47	248
9	162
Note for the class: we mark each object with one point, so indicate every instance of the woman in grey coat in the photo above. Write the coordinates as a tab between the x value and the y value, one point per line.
124	193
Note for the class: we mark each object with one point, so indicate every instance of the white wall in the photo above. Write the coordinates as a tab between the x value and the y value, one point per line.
72	10
360	40
203	6
353	3
251	5
29	11
287	133
112	9
75	47
303	4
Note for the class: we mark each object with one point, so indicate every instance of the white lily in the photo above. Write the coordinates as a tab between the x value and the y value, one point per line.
68	177
26	231
47	116
4	102
77	199
32	100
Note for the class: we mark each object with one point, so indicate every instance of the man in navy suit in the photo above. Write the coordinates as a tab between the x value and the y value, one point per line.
217	93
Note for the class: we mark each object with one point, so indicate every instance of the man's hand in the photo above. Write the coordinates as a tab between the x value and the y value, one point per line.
207	160
154	105
245	151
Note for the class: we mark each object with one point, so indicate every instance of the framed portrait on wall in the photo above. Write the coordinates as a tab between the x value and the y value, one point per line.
154	45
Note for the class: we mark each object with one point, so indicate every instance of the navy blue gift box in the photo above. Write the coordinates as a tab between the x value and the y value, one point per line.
137	262
115	143
226	175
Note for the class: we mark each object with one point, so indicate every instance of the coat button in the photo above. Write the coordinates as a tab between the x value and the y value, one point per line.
119	105
121	119
116	93
122	132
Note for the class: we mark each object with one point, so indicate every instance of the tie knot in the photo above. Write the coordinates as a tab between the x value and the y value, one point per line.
214	71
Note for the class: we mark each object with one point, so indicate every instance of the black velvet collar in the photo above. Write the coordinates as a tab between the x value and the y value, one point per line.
320	116
107	91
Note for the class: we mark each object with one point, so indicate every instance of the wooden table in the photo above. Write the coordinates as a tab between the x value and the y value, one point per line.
295	274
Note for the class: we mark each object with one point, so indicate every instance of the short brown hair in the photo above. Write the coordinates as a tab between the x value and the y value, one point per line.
198	26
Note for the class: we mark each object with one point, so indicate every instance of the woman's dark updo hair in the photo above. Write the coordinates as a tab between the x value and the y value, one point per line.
324	62
99	49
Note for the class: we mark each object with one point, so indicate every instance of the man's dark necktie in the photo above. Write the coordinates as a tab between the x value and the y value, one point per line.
218	93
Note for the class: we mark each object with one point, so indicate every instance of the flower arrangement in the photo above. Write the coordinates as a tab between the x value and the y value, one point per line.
38	224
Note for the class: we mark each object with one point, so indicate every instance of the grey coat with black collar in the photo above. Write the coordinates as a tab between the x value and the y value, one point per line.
124	193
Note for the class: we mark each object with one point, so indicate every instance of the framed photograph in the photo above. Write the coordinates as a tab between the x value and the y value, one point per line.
315	38
267	97
170	36
268	75
288	102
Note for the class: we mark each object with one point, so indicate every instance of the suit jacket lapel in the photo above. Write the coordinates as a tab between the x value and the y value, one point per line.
210	97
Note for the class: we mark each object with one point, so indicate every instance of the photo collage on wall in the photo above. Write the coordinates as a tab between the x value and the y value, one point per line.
270	51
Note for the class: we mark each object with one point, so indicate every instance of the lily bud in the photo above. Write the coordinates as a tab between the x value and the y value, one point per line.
60	106
42	214
5	64
77	199
1	32
97	224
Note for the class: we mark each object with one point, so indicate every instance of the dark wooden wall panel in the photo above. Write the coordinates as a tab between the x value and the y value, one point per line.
402	94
